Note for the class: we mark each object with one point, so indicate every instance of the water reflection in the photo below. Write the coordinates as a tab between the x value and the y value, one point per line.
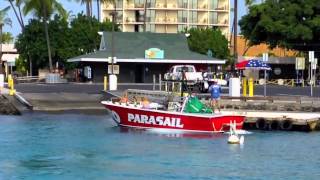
171	133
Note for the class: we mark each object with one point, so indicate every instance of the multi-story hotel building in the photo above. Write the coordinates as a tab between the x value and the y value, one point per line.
169	16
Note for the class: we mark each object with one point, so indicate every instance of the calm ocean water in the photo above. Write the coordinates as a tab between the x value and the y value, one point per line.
73	146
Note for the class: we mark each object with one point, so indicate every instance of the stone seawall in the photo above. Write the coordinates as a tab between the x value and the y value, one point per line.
7	108
268	106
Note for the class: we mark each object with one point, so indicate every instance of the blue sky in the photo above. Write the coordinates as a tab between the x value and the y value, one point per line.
76	8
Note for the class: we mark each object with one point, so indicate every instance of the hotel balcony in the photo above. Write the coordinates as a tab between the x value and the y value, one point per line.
109	7
166	21
219	23
134	6
129	20
221	9
203	21
203	7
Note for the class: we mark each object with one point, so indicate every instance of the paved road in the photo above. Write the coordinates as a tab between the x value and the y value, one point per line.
272	90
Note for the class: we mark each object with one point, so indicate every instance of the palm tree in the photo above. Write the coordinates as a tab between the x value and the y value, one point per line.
88	6
6	38
3	21
18	13
43	9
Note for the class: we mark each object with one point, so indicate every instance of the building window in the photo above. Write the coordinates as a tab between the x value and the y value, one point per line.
214	4
182	16
151	3
213	18
183	4
151	16
181	28
119	4
139	16
151	28
193	17
193	4
119	16
139	3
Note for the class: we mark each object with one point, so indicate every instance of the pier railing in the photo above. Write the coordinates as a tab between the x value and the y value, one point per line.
23	79
203	96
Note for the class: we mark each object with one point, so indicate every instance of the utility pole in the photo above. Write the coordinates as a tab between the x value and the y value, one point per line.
113	14
145	16
235	32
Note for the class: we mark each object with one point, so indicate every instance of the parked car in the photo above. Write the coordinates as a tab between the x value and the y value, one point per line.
194	79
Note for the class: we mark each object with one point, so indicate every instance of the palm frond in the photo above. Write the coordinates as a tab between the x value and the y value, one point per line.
59	8
7	21
3	18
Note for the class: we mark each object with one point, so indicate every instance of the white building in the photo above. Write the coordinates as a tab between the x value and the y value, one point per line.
9	56
170	16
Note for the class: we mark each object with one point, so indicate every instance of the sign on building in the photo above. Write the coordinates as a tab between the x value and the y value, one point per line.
154	53
265	57
311	56
300	63
116	69
314	64
110	60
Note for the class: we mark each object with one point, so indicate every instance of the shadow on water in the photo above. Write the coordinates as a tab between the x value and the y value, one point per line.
167	133
41	163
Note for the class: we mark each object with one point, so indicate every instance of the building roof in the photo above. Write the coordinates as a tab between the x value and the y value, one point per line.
131	47
9	48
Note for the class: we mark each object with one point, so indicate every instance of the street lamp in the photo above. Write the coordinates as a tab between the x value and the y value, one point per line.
113	15
112	76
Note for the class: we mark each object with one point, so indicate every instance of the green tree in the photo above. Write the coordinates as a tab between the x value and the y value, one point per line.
4	20
289	24
202	40
78	37
84	33
6	38
43	9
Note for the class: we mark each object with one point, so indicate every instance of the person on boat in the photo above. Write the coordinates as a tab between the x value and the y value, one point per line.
124	98
215	91
145	103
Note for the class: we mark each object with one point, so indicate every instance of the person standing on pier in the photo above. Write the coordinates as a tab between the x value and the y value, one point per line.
215	91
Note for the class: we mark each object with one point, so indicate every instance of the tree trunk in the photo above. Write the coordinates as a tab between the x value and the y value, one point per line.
48	44
1	70
16	13
91	13
21	19
88	8
30	65
98	9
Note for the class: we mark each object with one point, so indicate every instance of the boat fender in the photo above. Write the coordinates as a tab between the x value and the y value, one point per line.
286	125
261	124
274	125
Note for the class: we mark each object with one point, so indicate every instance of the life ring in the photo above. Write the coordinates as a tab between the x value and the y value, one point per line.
261	124
286	125
274	125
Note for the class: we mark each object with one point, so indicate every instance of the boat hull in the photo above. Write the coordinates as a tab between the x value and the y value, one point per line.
145	118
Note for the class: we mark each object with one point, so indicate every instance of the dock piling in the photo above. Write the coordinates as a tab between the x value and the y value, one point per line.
154	82
160	82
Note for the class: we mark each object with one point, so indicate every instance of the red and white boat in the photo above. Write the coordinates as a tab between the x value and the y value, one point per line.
132	116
